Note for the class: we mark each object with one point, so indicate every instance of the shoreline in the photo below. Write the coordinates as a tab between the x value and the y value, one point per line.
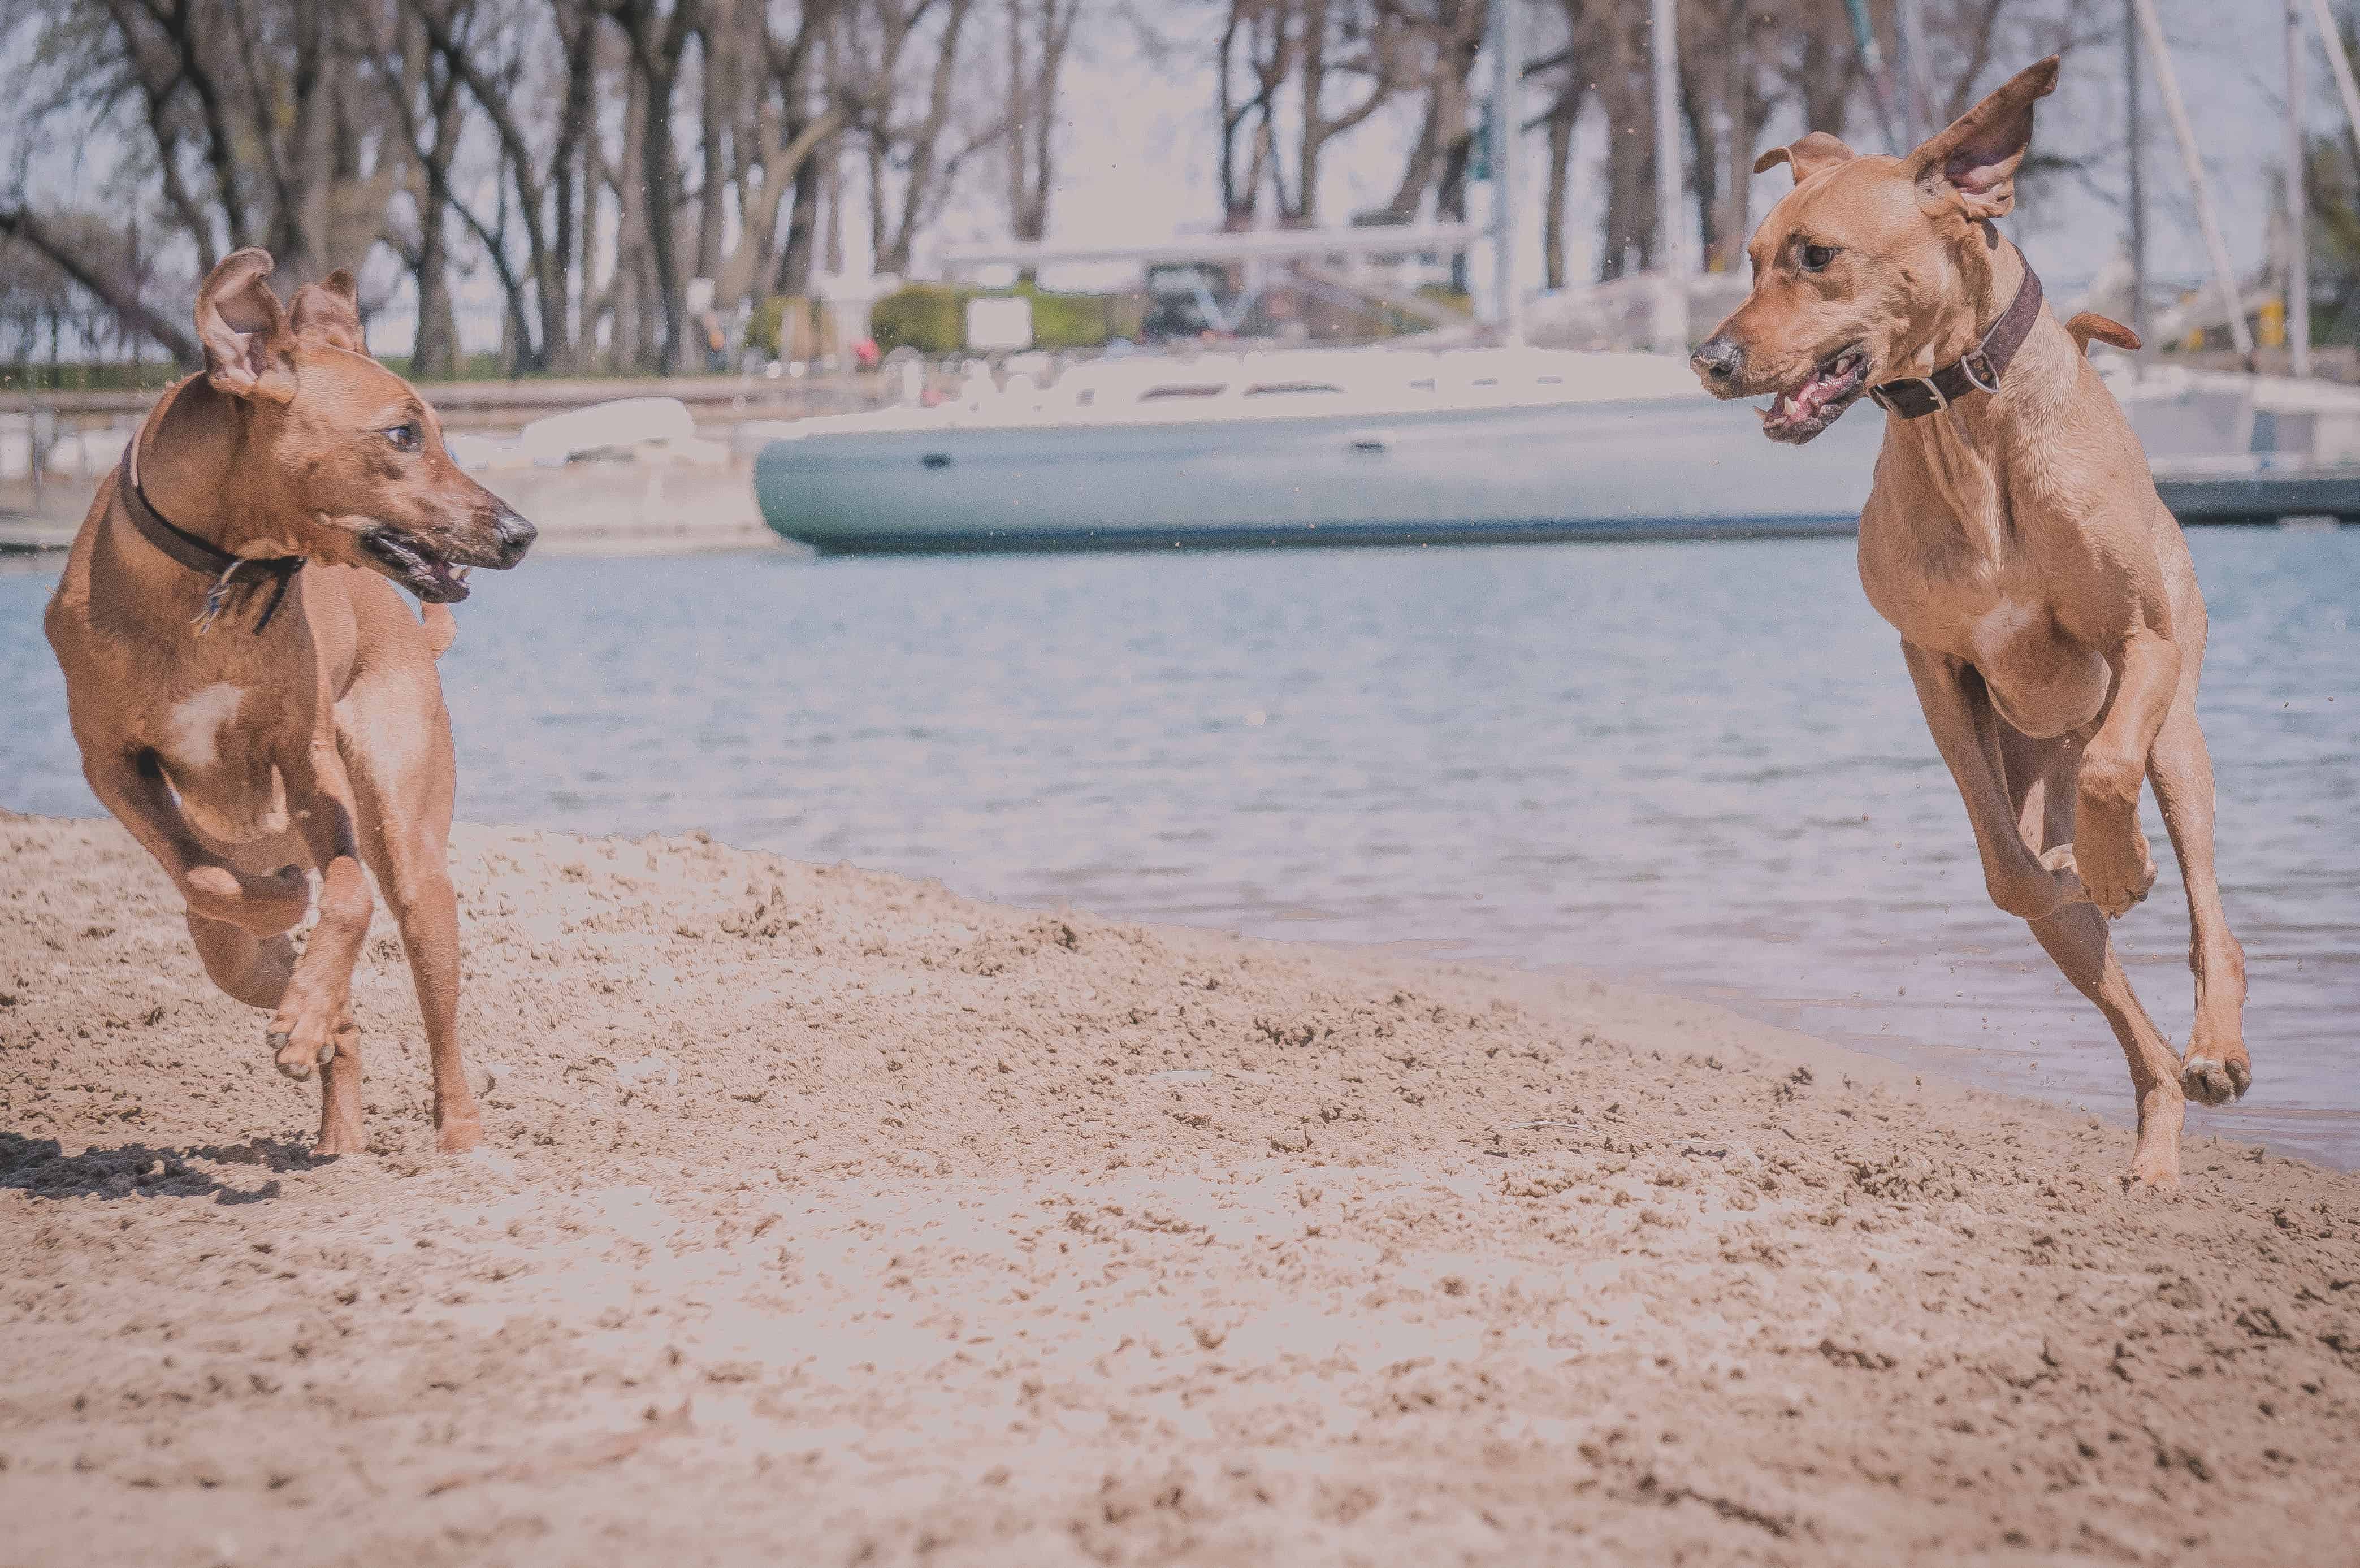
609	508
825	1206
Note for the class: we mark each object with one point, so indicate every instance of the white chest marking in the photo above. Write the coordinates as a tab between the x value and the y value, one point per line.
1995	630
192	730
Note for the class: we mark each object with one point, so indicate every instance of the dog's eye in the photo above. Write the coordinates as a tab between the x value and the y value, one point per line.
403	437
1817	256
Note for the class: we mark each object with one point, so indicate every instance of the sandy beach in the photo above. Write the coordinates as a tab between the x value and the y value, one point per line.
826	1216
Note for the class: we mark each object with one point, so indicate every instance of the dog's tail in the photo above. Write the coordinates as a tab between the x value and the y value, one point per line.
2089	325
442	626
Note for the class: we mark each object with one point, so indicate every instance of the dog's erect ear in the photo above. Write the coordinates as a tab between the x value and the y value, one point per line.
1813	153
329	311
249	348
1974	162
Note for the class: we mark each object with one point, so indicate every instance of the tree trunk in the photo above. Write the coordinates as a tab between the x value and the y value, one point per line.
713	107
1564	119
1701	172
803	223
1743	103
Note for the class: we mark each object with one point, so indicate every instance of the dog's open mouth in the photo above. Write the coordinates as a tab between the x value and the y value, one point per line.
412	563
1802	411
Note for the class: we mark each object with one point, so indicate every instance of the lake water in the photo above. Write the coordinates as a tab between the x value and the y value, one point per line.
1695	765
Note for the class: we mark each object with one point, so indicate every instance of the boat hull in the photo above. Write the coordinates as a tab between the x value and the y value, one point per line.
1645	468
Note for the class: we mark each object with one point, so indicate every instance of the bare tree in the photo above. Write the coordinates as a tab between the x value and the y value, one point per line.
1253	41
1040	37
658	39
903	67
1437	44
107	282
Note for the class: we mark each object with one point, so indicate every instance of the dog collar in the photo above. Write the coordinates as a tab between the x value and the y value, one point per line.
200	554
1977	370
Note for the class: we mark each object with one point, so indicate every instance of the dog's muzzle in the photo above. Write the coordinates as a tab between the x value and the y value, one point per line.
1717	362
516	537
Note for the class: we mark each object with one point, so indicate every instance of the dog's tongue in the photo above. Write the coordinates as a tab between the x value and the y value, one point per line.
1804	401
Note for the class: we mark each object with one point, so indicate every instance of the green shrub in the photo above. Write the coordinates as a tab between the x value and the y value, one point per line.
1068	321
932	318
928	317
762	326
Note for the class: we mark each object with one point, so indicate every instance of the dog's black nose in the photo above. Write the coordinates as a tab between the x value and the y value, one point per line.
515	536
1719	358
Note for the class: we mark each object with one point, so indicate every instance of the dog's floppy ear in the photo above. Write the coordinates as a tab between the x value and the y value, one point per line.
329	311
2089	327
249	348
1974	162
1813	153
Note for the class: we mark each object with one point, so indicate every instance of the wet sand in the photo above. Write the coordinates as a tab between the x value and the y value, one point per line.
826	1217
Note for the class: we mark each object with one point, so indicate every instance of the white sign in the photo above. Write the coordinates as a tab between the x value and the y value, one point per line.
998	321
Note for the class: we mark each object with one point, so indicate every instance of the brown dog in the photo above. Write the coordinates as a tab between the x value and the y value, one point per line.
2047	609
250	694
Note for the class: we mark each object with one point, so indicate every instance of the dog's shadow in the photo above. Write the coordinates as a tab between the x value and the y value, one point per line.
42	1168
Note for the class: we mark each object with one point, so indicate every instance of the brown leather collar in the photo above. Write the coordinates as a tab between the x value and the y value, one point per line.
1977	370
229	572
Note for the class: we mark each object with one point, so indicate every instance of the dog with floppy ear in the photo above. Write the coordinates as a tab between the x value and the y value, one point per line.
251	695
2048	611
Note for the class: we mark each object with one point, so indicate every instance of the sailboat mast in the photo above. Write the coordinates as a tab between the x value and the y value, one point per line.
2298	207
2135	136
2331	39
1671	233
2191	154
1507	122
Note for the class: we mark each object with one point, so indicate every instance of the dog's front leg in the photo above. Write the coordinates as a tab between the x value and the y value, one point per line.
317	1009
2110	852
1960	716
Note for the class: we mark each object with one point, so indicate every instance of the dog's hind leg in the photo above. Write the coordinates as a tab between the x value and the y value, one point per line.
2216	1068
2043	784
398	747
340	1093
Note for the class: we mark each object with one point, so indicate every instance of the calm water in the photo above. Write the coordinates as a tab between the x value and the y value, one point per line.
1697	765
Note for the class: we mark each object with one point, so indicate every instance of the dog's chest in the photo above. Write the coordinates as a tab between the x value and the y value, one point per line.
214	743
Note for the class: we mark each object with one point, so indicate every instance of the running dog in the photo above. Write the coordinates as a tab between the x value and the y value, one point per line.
2047	609
251	696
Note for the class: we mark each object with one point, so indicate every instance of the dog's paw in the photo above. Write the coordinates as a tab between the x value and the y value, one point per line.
2117	878
339	1138
301	1042
2155	1167
458	1135
296	1058
2034	897
2214	1080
